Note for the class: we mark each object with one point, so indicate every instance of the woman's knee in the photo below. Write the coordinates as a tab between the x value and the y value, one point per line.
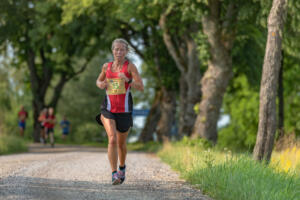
121	145
112	139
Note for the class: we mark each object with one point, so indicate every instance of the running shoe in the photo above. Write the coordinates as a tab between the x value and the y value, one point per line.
115	179
121	175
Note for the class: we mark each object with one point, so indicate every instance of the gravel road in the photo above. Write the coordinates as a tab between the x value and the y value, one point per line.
77	173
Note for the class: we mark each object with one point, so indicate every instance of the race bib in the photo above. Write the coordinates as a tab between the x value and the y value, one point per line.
115	86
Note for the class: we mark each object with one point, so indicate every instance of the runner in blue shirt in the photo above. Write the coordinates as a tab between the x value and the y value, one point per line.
66	126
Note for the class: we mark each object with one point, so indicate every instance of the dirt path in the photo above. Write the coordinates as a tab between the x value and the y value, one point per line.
77	173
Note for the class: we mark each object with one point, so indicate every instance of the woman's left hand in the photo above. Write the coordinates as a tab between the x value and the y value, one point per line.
123	77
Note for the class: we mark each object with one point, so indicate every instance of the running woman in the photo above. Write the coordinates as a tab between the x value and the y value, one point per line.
22	115
49	124
42	120
118	77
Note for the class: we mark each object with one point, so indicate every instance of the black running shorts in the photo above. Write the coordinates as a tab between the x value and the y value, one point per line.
123	120
49	130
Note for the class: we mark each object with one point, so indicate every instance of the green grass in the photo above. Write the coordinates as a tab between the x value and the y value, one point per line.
150	147
12	144
224	176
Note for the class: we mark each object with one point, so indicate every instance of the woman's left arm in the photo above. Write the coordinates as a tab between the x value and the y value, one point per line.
137	82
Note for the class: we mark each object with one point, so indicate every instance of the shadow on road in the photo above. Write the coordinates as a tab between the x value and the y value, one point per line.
19	187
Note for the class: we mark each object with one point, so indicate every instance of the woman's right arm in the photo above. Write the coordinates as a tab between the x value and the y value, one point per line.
101	80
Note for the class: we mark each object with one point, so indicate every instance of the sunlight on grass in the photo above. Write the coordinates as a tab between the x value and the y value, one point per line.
223	175
287	160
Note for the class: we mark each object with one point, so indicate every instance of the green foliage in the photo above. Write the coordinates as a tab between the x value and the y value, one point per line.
291	69
73	31
86	132
14	93
80	103
5	104
291	86
223	176
12	144
242	106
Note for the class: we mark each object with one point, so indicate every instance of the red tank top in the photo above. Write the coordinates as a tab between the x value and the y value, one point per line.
118	96
50	124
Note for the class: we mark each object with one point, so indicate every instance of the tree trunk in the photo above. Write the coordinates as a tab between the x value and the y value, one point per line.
183	123
268	89
219	72
281	101
37	107
167	117
152	119
214	84
38	91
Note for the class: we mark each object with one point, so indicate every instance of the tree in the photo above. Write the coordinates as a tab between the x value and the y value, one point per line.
242	95
220	21
182	47
221	35
53	53
268	91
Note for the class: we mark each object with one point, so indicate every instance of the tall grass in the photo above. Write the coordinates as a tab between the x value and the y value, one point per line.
287	160
224	176
12	144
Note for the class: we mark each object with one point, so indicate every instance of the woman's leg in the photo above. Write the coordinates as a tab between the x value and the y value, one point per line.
122	149
46	133
52	138
110	127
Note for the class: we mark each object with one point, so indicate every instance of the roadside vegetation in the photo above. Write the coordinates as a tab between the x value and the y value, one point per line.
222	174
12	144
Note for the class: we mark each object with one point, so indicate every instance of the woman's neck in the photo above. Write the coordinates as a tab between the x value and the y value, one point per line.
119	62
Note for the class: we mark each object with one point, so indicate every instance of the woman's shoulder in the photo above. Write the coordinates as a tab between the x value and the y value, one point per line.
105	66
131	65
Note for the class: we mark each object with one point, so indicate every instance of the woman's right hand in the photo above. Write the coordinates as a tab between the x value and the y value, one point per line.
102	84
101	80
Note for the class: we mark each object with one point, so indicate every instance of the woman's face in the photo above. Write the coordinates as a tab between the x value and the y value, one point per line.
51	111
119	51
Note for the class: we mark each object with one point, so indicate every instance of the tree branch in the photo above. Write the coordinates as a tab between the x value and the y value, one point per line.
168	41
58	90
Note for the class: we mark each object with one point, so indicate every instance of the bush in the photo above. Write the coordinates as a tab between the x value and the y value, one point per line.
12	144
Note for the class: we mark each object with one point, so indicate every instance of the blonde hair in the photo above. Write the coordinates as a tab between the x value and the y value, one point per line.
123	41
